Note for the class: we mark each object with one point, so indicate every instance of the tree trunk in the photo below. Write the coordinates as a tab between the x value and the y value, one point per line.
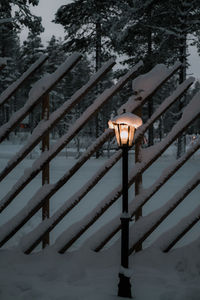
138	179
149	57
181	143
98	66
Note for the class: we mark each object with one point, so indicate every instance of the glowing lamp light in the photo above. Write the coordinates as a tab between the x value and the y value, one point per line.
124	126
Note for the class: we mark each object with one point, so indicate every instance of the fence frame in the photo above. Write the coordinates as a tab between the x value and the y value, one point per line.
133	105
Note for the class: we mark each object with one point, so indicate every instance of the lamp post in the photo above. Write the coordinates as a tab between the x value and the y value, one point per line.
124	126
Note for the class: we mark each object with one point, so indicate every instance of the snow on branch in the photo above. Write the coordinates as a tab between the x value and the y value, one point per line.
6	20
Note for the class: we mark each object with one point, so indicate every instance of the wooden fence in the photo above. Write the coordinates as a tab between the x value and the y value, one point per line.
40	200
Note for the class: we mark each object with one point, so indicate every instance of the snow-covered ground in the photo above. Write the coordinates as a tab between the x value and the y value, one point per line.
81	273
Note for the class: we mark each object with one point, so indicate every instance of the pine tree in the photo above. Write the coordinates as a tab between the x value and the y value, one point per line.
11	22
74	80
135	36
85	23
22	15
155	31
9	49
185	22
195	127
31	50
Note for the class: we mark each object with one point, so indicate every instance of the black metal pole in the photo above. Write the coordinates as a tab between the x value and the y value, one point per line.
124	286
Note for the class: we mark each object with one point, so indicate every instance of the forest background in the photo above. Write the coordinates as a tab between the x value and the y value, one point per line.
154	31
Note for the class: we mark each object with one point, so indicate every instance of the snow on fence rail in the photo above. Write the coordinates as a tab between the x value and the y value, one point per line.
16	85
191	112
146	225
22	183
47	226
174	234
108	232
144	87
40	88
45	126
30	241
165	75
146	84
53	151
47	156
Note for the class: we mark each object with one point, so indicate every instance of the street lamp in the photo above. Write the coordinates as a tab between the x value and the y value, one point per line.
124	126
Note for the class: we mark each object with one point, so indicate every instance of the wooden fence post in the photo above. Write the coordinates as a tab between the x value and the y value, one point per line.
2	66
45	170
138	181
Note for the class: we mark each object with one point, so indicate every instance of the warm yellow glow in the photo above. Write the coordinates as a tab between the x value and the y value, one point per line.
124	134
125	126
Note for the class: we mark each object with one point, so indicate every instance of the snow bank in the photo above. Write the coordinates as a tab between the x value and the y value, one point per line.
84	275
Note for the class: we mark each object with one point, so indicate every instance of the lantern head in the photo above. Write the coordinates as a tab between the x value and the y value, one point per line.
124	126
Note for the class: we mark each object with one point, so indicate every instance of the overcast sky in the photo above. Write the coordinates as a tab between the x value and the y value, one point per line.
47	9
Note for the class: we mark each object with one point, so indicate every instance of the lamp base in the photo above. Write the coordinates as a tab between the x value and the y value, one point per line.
124	286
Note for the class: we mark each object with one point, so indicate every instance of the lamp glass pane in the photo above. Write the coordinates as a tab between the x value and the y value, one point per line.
124	134
117	134
131	136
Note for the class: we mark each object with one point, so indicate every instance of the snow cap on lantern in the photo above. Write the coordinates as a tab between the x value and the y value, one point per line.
124	126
